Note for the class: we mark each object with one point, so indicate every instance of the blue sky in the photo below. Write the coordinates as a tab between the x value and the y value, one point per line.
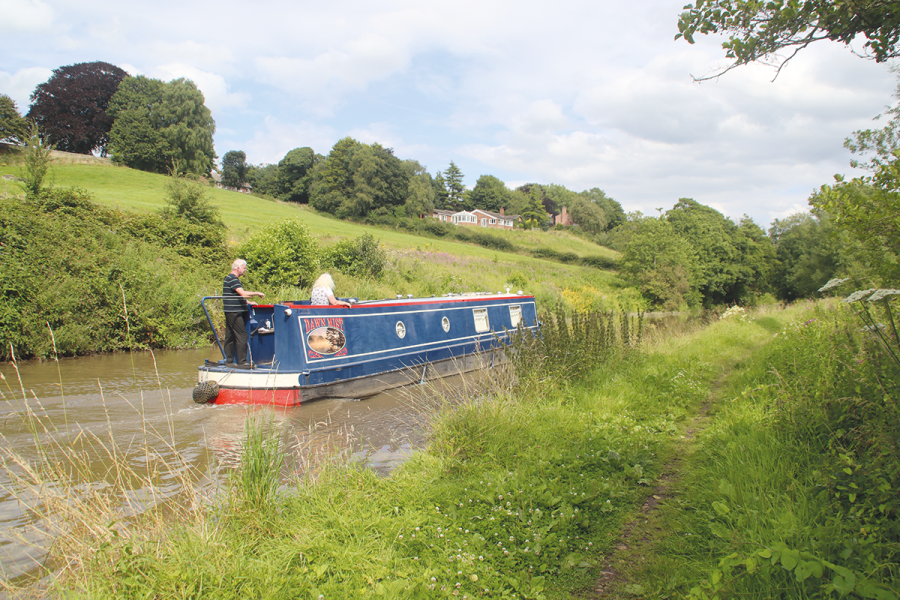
579	93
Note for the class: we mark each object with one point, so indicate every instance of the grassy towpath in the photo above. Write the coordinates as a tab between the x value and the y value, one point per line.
784	483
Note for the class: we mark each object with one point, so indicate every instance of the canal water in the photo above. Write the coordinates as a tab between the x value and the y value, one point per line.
137	404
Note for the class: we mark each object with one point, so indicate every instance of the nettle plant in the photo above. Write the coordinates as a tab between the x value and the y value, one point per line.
873	307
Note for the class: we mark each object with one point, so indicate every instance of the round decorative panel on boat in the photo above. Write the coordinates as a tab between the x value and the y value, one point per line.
445	323
401	330
326	340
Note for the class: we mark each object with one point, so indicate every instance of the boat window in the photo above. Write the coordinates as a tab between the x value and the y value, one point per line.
515	315
445	323
401	330
481	320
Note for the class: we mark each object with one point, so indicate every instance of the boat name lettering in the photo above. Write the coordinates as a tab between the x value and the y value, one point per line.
310	324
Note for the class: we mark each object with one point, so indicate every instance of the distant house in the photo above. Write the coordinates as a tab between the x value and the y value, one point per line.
563	218
478	218
443	215
245	188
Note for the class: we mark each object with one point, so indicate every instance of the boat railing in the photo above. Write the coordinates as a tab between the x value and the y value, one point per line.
260	330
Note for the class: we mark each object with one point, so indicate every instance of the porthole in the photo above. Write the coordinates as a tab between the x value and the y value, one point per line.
401	330
445	323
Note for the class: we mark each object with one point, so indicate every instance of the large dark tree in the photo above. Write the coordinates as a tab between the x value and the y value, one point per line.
13	128
162	127
70	108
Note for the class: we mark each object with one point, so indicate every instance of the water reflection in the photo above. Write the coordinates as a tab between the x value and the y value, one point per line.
139	407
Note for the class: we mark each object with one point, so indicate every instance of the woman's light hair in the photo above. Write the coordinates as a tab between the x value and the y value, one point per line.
324	280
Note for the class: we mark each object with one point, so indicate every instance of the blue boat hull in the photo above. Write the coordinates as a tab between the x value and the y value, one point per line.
302	352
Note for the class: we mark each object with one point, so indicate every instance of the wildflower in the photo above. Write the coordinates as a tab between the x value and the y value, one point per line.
833	283
881	294
857	296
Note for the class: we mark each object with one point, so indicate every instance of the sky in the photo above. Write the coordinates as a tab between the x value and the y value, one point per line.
581	93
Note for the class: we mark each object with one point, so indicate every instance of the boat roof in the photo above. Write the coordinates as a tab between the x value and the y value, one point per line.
410	300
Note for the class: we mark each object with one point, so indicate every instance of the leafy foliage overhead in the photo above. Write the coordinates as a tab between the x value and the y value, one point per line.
162	127
71	107
759	29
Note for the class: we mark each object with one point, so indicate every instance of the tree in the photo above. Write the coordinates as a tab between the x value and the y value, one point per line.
187	200
264	179
295	174
760	29
13	128
441	197
723	276
453	178
806	253
662	263
234	169
587	215
37	161
612	210
71	107
356	179
419	191
489	193
162	127
866	210
534	213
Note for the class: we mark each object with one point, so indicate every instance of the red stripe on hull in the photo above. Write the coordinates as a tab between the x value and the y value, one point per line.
268	397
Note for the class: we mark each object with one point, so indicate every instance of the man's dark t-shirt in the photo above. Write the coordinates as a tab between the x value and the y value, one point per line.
233	302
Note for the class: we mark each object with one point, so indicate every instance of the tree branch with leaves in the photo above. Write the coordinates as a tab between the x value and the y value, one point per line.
759	30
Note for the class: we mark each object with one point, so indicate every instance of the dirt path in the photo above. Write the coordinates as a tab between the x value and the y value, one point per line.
639	536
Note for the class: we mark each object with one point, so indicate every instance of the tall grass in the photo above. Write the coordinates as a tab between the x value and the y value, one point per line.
791	491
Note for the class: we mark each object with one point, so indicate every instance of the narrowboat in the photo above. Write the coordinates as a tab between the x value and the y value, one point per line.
301	352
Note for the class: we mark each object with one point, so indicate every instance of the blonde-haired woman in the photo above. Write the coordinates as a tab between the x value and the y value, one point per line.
323	292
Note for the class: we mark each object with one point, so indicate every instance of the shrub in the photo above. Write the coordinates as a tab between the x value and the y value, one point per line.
599	262
435	227
187	200
551	254
362	257
482	238
72	267
285	253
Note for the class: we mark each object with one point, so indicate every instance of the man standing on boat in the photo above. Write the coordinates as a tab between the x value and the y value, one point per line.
236	311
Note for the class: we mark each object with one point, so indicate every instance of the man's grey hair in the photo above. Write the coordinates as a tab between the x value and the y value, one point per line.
238	264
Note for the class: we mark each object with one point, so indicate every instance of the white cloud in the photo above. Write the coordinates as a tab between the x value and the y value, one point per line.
329	75
275	138
21	84
25	16
216	90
